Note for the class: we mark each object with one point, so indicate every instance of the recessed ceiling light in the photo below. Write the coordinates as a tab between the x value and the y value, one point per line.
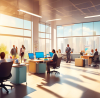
30	13
92	16
53	20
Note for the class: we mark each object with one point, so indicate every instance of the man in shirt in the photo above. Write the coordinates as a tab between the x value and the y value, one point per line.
52	62
2	55
13	51
96	52
68	49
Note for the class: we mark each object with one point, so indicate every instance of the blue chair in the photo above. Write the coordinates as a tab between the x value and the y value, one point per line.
31	55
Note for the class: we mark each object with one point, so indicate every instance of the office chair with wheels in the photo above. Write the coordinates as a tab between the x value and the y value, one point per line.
96	60
5	73
57	66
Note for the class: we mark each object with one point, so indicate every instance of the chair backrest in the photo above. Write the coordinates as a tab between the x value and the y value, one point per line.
5	69
96	57
58	62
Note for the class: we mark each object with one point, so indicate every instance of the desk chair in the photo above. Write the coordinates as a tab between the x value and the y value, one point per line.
57	66
5	73
96	60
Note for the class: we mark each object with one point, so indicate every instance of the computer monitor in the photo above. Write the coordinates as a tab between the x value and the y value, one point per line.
39	55
31	55
51	54
87	48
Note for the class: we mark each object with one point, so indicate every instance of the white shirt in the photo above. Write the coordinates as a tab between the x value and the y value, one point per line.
23	50
59	55
2	60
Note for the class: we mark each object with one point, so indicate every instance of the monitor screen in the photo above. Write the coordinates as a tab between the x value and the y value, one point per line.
87	48
39	54
51	54
31	55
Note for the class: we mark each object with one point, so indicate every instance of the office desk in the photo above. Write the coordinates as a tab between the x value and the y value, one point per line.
89	57
37	66
18	74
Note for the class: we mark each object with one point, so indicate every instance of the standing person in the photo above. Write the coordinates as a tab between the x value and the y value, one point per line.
68	49
16	50
22	50
13	51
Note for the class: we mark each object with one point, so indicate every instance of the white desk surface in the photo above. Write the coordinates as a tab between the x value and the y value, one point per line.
19	65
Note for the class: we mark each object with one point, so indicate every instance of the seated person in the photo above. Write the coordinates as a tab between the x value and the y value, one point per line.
96	53
2	55
92	52
81	54
52	62
59	53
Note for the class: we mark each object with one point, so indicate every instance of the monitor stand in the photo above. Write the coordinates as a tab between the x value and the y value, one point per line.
38	59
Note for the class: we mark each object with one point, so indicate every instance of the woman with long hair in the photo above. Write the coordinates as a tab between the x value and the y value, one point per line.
22	50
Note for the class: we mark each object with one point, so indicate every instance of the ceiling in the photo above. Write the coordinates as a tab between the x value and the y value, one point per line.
70	11
11	7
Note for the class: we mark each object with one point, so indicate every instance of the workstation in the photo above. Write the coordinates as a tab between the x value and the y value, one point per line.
51	48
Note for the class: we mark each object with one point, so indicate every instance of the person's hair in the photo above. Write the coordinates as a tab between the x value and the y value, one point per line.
53	50
22	45
2	55
96	49
59	50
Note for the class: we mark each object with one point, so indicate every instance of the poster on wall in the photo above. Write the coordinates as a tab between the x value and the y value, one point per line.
87	48
36	45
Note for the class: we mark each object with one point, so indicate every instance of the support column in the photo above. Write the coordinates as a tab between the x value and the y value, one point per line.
53	35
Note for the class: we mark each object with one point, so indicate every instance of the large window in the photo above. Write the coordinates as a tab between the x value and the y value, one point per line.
60	31
15	31
87	28
44	38
67	31
10	21
77	30
79	35
96	30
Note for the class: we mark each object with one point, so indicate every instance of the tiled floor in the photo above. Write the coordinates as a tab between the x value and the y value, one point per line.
73	82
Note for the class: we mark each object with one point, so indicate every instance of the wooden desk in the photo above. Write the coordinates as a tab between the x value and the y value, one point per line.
37	66
89	57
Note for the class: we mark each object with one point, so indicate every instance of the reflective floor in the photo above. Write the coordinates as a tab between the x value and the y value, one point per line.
72	82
